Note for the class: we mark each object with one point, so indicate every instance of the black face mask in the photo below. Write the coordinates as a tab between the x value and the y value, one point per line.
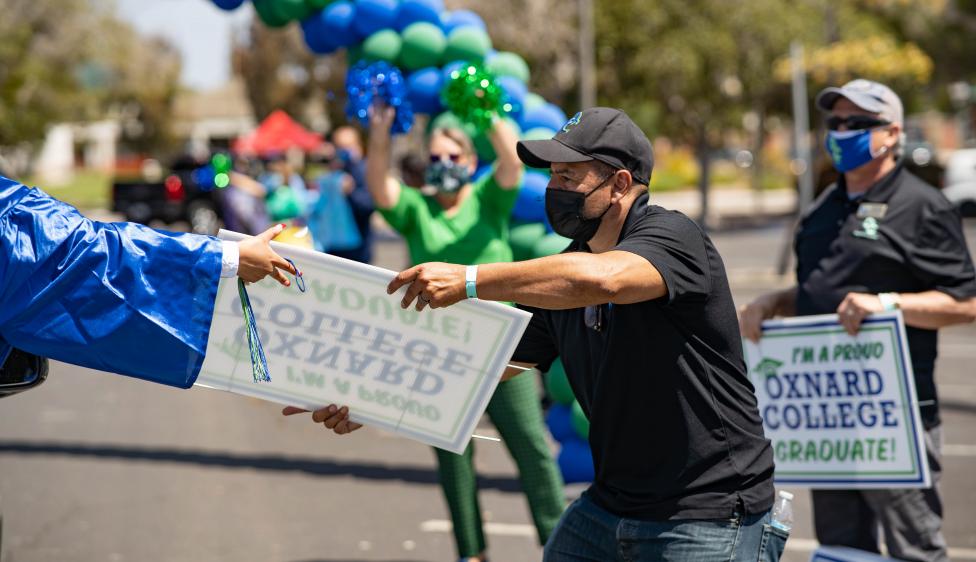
564	209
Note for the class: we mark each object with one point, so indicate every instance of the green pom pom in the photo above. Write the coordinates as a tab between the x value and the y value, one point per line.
467	43
581	425
523	238
509	64
472	95
557	385
423	45
549	245
533	100
383	45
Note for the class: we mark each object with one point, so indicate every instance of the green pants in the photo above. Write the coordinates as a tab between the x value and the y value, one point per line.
515	411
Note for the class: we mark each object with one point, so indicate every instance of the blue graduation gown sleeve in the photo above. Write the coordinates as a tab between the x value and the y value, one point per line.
118	297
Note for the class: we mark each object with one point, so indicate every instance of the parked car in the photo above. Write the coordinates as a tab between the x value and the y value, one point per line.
960	181
180	196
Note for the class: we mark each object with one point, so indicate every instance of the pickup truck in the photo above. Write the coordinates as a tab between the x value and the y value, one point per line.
180	196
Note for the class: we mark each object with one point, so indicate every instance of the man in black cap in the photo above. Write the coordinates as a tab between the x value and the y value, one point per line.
639	309
879	239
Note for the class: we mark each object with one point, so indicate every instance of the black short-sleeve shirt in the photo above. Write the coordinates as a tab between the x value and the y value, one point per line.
901	236
674	425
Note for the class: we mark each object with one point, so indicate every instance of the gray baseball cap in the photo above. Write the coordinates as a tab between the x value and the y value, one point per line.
866	94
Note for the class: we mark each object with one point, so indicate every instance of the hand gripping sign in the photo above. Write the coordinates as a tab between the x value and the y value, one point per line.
425	375
841	411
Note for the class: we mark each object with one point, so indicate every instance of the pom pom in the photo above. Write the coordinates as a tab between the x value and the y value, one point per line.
473	95
367	84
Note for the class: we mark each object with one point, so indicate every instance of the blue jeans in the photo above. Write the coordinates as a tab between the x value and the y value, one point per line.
588	532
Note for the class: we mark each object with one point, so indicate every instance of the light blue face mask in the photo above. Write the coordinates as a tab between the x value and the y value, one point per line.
850	149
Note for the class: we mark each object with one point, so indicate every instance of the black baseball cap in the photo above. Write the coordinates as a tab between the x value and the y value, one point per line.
597	133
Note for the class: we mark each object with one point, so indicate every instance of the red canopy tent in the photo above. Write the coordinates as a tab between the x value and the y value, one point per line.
277	133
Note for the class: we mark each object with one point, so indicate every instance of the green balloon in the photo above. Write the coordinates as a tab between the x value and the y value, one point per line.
383	45
270	14
533	100
557	385
316	5
549	245
580	423
423	45
509	64
538	133
467	43
482	143
523	238
292	9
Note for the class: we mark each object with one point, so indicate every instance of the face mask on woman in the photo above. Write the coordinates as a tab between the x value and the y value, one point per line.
446	176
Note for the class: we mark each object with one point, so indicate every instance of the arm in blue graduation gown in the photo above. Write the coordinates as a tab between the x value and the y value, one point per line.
117	297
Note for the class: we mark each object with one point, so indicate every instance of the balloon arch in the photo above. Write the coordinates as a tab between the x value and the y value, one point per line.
428	44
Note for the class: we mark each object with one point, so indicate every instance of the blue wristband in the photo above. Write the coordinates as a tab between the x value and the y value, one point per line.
470	279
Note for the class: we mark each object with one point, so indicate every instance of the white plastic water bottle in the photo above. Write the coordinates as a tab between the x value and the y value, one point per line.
782	517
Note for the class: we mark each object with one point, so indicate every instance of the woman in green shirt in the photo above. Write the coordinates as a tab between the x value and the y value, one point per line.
459	221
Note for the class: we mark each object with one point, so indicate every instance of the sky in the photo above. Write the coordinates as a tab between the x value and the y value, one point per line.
199	29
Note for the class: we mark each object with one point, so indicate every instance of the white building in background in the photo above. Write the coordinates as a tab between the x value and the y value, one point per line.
68	146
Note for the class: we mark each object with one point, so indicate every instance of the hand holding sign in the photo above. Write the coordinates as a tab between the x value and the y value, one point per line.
336	419
855	308
436	284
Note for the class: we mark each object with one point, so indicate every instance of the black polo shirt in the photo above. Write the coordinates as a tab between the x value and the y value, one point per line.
901	236
674	426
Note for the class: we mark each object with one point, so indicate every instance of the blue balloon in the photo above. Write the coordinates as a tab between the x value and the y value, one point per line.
424	90
548	116
515	92
412	11
461	18
317	38
530	206
374	15
560	424
576	461
228	4
337	23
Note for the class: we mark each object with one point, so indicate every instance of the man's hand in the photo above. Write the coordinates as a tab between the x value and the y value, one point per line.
854	308
336	419
751	316
258	260
381	117
434	284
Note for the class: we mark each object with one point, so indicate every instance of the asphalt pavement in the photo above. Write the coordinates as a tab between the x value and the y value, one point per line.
96	467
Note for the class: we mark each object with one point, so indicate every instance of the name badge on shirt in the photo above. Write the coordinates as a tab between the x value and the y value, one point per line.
872	210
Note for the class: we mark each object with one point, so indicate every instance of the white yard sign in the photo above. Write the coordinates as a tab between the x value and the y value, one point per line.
841	411
425	375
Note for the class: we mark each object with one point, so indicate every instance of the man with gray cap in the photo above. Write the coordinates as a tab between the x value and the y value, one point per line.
879	239
639	309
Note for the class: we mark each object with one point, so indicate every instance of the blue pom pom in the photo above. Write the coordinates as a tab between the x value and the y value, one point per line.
424	91
228	4
576	461
461	18
367	83
374	15
560	424
337	23
412	11
530	206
